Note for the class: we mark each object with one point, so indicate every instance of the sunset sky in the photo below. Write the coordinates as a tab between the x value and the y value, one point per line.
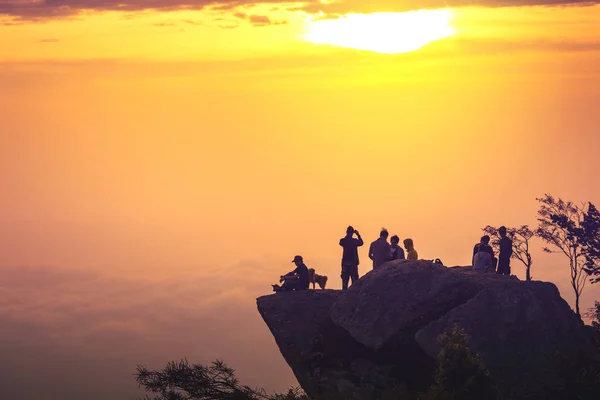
161	162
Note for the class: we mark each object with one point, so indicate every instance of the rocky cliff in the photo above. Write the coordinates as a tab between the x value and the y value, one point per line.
383	331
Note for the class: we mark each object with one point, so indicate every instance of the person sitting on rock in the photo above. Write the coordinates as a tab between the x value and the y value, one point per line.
411	253
482	261
484	244
379	251
396	252
294	280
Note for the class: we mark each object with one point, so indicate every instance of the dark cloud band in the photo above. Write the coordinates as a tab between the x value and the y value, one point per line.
44	9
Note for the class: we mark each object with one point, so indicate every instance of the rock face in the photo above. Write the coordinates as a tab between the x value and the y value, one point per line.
383	331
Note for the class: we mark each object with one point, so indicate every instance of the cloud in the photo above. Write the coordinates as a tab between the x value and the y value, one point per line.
497	46
369	6
45	9
258	20
80	334
164	24
178	22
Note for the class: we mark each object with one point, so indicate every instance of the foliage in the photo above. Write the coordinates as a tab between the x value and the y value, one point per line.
578	378
182	381
594	315
591	242
461	373
560	225
521	238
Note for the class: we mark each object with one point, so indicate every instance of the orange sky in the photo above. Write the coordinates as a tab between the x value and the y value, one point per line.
160	168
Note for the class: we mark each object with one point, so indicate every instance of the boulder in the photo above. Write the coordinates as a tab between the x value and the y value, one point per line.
383	331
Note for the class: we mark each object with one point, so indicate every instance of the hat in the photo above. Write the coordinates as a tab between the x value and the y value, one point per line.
297	258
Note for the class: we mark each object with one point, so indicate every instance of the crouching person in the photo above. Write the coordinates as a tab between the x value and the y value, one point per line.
295	280
482	261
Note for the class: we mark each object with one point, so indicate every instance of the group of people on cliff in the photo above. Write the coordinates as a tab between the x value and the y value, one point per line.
484	259
380	252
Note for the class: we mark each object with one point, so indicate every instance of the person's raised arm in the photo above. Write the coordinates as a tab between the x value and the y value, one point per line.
360	241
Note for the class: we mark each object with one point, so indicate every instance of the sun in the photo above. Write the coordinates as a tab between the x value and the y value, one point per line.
389	33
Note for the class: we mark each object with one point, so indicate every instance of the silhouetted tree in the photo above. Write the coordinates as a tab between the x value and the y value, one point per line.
594	315
181	381
521	238
591	242
560	225
461	373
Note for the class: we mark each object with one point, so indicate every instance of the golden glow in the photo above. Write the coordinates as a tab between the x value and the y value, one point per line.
388	33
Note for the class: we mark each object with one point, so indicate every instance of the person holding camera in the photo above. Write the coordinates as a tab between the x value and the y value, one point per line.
350	256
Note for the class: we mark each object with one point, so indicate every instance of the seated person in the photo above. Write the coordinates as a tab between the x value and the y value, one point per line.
482	261
484	244
410	249
295	280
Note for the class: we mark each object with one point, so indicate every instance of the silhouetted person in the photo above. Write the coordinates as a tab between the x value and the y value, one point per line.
485	245
379	251
411	253
294	280
396	252
350	256
482	261
506	251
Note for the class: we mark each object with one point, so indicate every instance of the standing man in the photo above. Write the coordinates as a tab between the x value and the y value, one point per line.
506	251
350	256
379	251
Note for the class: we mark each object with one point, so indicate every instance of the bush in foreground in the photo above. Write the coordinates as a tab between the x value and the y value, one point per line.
460	375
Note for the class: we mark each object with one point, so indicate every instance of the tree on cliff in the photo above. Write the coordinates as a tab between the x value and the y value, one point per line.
594	314
461	373
521	238
573	230
591	239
